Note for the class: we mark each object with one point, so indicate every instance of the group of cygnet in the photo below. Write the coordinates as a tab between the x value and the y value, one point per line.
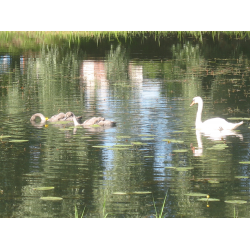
69	116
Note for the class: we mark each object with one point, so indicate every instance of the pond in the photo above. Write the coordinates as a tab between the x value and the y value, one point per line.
153	158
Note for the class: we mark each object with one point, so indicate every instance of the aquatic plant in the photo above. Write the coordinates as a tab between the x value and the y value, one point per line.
160	215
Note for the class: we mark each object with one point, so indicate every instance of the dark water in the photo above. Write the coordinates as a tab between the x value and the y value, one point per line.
124	171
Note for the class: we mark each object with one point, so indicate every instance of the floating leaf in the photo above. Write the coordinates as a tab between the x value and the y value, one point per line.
183	168
181	131
208	199
117	148
18	140
142	192
180	150
213	181
43	188
244	162
48	198
120	193
196	194
146	135
101	146
172	141
138	143
241	177
123	136
239	118
171	167
236	201
122	145
4	136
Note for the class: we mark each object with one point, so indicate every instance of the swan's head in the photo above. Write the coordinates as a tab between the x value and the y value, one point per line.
196	99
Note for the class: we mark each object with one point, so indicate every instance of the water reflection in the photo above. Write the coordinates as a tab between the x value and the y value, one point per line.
214	135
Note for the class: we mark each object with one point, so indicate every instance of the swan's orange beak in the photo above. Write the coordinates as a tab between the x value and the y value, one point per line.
192	103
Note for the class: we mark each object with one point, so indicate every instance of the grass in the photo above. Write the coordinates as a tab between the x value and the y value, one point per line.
34	39
76	212
160	215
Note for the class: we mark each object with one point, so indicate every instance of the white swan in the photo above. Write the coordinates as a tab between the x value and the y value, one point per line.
211	124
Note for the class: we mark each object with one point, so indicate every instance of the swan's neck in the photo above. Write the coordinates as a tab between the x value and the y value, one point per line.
75	121
198	122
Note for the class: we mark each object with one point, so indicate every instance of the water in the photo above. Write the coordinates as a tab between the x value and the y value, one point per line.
124	171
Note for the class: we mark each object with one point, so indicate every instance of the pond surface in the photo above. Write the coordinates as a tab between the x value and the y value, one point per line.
154	151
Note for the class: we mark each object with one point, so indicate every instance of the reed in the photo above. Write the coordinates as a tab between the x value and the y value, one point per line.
24	39
160	215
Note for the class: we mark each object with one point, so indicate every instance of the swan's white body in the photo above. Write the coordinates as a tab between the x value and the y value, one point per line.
211	124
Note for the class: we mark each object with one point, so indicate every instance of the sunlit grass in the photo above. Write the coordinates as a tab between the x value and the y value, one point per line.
33	39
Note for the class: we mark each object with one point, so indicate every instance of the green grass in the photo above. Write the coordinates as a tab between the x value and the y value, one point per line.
76	212
34	39
160	215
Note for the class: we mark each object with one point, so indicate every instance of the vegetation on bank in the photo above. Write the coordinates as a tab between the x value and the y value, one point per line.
34	39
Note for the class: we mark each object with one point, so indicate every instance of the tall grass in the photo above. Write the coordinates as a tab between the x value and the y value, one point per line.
160	215
24	39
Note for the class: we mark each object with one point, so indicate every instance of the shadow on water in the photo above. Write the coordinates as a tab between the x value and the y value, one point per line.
56	169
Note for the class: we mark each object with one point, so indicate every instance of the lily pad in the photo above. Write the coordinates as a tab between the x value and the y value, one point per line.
236	201
18	140
208	199
138	143
120	193
142	192
196	194
43	188
118	148
239	118
4	136
241	177
183	168
146	135
180	150
172	141
244	162
101	146
48	198
213	181
180	131
123	137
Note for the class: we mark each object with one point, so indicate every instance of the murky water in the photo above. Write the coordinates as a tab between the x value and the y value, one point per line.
154	151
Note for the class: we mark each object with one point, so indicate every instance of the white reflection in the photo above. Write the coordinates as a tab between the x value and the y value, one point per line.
214	135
